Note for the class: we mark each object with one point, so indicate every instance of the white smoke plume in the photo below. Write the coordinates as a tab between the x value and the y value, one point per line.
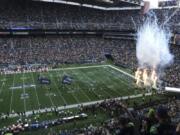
152	49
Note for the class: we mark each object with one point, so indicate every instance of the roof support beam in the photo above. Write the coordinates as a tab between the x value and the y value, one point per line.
138	7
91	6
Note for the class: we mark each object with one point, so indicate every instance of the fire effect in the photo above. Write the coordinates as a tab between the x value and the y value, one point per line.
152	52
146	77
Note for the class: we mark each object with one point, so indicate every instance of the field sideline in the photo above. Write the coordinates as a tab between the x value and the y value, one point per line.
90	83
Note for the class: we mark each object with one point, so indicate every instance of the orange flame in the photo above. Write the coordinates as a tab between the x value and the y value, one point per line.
138	77
146	78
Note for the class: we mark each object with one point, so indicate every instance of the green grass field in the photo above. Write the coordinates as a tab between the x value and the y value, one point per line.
90	83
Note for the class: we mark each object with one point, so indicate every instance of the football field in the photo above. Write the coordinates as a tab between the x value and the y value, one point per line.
22	92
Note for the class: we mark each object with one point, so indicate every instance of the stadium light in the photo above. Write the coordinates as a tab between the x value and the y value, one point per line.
87	5
171	89
99	7
74	3
108	1
123	8
153	3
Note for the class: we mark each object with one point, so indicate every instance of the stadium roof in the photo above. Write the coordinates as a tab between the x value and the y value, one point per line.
100	4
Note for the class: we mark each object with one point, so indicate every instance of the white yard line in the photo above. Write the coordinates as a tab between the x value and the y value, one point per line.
3	83
86	103
10	108
52	104
112	89
91	81
121	71
117	92
70	68
83	67
28	113
103	89
121	80
24	91
77	100
1	89
83	91
126	73
58	91
35	91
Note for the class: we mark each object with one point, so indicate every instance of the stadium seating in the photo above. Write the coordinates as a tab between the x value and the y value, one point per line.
19	53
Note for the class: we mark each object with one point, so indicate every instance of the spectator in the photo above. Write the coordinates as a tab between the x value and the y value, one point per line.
164	126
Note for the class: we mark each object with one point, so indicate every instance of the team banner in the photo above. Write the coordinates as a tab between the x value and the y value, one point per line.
44	80
67	79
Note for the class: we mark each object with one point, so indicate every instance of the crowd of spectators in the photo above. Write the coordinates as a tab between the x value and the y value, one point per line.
20	54
168	18
39	15
33	15
168	3
158	117
172	75
30	124
15	69
154	119
52	51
